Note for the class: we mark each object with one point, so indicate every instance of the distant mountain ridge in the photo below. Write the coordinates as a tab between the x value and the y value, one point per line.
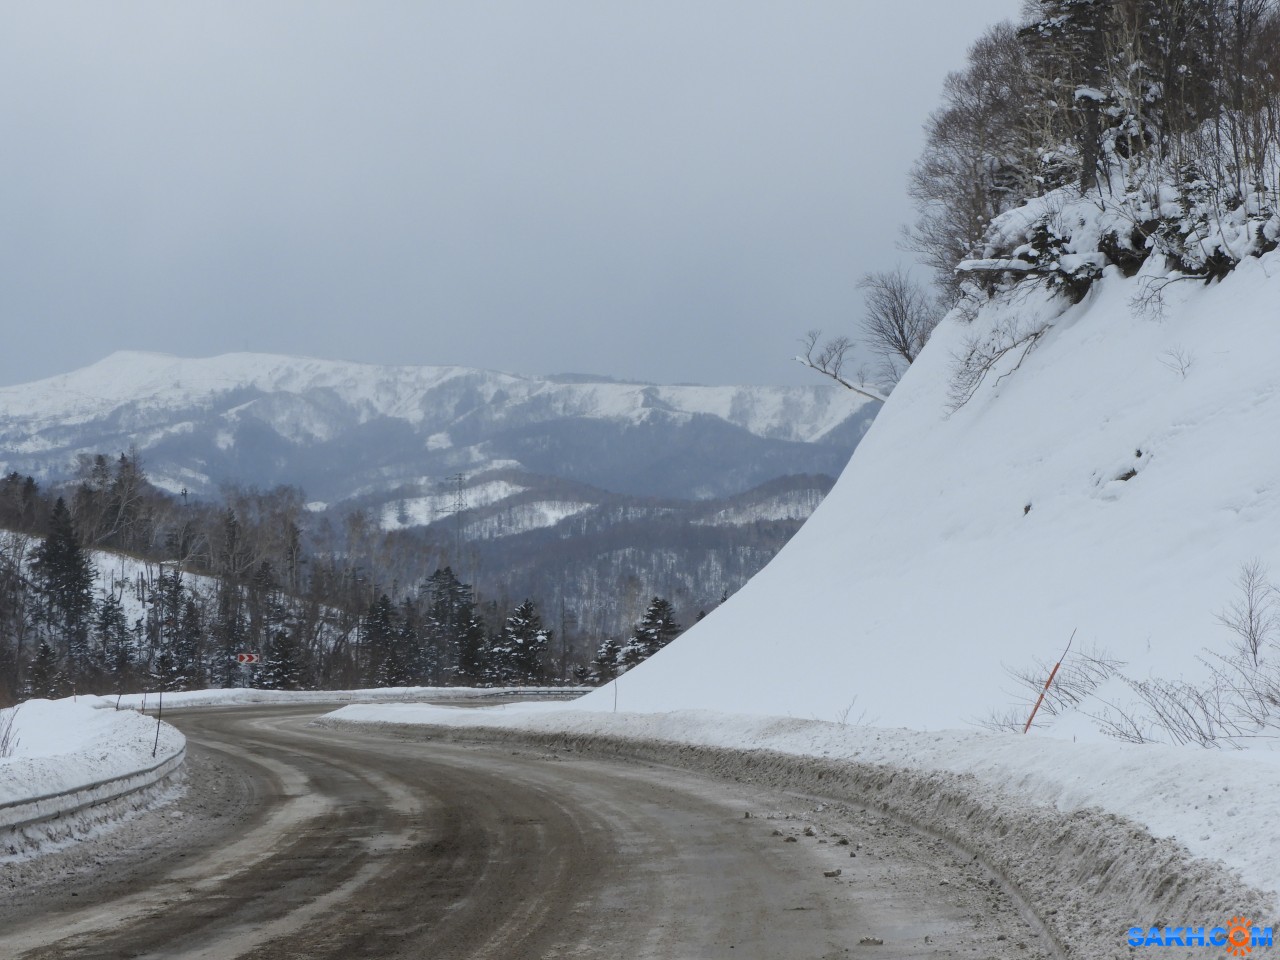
345	430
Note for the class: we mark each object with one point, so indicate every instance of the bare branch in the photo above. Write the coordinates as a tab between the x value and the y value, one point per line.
830	359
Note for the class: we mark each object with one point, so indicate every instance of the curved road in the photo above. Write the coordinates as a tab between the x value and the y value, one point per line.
310	842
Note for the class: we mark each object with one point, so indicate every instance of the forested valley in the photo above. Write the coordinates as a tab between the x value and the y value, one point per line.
109	585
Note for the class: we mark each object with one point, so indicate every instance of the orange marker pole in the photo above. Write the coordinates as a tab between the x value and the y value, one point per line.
1052	673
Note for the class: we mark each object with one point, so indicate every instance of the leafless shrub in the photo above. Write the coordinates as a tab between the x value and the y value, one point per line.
1178	359
1148	302
982	355
1119	724
859	720
1189	713
1008	720
8	736
1253	617
1237	698
1080	674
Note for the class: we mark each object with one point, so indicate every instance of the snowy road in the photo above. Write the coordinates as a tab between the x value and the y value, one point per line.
299	841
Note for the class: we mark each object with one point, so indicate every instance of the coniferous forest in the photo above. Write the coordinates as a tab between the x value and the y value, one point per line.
111	585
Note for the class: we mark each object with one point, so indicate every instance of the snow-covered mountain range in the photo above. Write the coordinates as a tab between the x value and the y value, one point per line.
345	430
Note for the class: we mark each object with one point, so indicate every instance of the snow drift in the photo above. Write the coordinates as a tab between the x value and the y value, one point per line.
1112	481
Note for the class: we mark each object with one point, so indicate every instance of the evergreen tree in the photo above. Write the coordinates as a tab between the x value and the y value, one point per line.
188	647
166	672
266	608
608	657
455	629
520	650
229	634
419	660
656	629
379	637
63	575
114	642
165	613
44	677
1068	39
282	669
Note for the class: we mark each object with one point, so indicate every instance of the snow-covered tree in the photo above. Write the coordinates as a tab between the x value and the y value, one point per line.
281	668
608	657
656	629
518	654
45	678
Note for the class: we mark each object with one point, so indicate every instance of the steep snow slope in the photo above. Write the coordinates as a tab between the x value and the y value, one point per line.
955	543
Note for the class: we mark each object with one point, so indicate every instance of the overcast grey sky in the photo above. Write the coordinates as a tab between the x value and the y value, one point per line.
670	191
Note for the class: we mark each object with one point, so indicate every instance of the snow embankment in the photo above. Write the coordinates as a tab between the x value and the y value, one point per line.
1097	838
1112	481
76	763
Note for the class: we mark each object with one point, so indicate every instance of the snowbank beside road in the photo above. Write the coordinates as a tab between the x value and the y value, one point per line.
73	755
1093	825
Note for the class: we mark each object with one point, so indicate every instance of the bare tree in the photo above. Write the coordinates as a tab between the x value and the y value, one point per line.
1253	616
899	320
980	157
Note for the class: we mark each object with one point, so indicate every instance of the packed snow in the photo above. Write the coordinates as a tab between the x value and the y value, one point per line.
62	745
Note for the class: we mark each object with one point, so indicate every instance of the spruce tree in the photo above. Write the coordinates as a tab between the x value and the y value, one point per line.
608	658
229	634
656	629
166	672
44	676
114	642
379	635
521	648
455	629
282	669
188	646
64	575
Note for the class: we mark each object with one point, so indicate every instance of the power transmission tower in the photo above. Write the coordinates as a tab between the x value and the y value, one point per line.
459	506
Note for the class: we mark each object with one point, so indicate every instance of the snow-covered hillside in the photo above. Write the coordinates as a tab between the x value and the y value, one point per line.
1112	483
